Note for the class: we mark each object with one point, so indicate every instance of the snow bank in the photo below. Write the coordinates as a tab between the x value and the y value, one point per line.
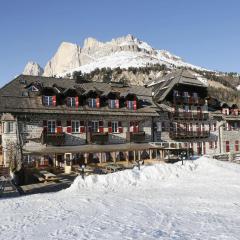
147	175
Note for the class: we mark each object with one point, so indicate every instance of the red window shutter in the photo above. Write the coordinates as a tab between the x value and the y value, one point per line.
44	125
98	102
127	104
109	127
82	127
227	146
69	127
135	105
120	129
54	100
59	126
77	101
117	103
101	129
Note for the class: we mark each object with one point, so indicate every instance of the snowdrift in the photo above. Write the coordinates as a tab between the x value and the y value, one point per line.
152	175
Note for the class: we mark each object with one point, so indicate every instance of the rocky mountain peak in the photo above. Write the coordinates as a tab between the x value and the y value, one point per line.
33	68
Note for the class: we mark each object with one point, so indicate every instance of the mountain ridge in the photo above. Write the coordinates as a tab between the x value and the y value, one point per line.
123	52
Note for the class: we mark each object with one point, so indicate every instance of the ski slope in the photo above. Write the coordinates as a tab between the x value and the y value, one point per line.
199	200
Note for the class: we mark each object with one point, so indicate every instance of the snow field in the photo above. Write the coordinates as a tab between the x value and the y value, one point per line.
199	200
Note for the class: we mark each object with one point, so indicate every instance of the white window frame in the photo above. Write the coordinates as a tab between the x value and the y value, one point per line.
131	105
115	127
9	127
75	126
51	126
71	101
48	100
92	102
95	126
112	103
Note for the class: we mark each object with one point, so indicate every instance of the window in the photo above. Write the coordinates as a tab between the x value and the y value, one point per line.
8	126
227	146
72	101
94	103
51	126
175	93
115	127
214	127
49	100
215	145
33	89
195	95
134	127
95	126
236	146
113	103
225	111
210	145
75	126
132	105
185	94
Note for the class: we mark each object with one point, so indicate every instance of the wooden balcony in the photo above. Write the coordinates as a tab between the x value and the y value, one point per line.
188	134
98	138
55	139
189	116
188	100
135	137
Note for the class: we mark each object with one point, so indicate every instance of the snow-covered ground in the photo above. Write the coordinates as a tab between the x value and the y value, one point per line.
199	200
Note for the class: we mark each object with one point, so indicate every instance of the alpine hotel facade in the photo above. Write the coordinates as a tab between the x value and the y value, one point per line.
55	121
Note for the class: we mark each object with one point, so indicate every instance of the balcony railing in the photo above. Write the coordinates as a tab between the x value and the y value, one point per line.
188	134
188	100
135	136
98	138
189	116
55	139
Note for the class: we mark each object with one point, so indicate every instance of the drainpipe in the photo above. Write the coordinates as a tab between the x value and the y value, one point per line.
219	134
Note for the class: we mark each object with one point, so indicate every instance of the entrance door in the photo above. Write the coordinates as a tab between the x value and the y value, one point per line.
199	148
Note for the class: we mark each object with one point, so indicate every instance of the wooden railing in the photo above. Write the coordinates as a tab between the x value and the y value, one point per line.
55	139
188	134
189	116
188	100
98	138
135	136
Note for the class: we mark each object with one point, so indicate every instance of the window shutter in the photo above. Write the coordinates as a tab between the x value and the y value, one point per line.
82	127
127	104
54	100
44	125
117	103
69	127
59	126
98	102
77	102
135	105
120	129
109	127
101	129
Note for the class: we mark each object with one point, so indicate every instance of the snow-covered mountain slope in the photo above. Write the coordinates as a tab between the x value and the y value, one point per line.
32	68
199	200
123	52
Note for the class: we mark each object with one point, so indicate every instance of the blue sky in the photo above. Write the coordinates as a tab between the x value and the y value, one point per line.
204	33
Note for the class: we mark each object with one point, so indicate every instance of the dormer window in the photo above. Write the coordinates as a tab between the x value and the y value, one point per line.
33	89
132	105
49	100
225	111
94	102
72	101
195	95
175	93
113	103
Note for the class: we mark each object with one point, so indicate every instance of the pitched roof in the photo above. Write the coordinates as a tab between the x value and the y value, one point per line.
163	85
12	99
